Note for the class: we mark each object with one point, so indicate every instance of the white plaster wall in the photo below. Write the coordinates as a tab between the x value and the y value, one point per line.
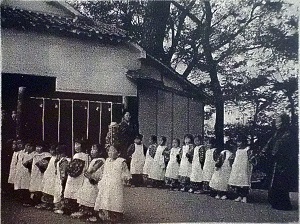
80	66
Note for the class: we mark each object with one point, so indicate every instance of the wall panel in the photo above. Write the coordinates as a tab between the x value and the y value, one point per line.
164	116
147	112
195	117
180	116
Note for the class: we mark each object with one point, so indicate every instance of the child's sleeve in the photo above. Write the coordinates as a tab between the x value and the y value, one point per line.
152	151
202	152
130	150
63	170
179	156
220	160
125	172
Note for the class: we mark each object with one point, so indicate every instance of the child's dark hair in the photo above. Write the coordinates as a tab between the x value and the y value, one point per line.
212	141
61	148
139	136
243	139
188	136
177	140
117	146
199	137
101	150
43	145
164	139
153	138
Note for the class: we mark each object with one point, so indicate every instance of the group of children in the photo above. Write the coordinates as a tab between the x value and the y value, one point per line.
196	167
91	186
86	186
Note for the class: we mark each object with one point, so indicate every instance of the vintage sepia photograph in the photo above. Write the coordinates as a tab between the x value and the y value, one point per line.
149	111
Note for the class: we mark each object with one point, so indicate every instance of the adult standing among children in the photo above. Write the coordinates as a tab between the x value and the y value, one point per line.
282	152
126	134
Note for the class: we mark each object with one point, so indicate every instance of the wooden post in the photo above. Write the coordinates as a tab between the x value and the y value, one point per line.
100	118
20	107
73	152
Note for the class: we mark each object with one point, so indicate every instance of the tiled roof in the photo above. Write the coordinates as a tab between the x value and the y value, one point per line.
69	26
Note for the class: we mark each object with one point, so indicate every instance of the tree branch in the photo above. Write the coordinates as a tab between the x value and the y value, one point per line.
230	51
179	29
189	14
241	29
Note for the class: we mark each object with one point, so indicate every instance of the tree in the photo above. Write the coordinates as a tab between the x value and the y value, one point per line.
210	42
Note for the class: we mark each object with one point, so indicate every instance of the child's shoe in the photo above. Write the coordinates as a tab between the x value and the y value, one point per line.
238	199
191	190
217	197
224	197
76	215
244	200
59	211
92	219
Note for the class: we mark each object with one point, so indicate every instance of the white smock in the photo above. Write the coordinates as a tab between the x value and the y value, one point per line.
185	166
75	183
219	180
137	160
88	193
23	179
13	168
49	177
111	196
58	188
197	172
36	178
148	161
158	166
173	166
241	169
209	165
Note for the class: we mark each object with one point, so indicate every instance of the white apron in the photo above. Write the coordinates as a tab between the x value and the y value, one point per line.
158	166
241	169
197	172
75	183
148	161
36	178
173	166
185	167
23	179
219	180
49	177
110	195
88	193
58	188
209	165
137	160
13	168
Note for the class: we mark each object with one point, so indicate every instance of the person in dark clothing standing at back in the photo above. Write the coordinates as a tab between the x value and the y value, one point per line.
126	133
282	152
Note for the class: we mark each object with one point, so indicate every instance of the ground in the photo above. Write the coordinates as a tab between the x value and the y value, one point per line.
144	205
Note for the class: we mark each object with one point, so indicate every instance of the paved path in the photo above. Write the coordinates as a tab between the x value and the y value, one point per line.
144	205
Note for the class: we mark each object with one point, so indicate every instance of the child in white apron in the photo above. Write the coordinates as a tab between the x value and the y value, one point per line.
13	163
61	175
24	173
149	159
157	173
209	164
173	166
219	180
137	153
36	178
48	181
240	177
196	176
185	166
109	202
76	169
86	196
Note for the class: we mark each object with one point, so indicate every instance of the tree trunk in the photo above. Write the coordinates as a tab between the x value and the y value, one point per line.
293	112
254	125
219	104
156	17
20	107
